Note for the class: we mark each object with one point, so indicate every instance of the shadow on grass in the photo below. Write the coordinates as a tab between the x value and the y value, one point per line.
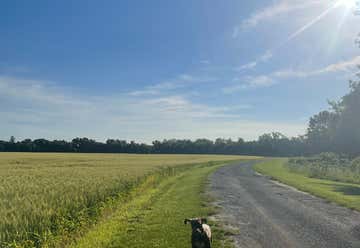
342	188
347	190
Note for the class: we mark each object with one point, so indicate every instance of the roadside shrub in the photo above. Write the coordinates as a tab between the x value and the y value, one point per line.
329	166
355	165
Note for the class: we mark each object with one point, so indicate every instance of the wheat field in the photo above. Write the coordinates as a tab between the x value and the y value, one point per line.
43	195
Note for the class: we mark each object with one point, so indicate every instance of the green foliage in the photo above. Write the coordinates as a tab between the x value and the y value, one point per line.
355	165
327	166
44	198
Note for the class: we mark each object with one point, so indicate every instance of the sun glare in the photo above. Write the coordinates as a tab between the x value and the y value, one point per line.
347	3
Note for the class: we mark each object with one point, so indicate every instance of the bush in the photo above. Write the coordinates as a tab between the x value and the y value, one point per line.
327	166
355	165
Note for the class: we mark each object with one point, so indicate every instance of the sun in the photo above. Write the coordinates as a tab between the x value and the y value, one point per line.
346	3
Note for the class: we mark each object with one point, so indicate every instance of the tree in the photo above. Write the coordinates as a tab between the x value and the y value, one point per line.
348	130
2	146
321	131
12	140
337	130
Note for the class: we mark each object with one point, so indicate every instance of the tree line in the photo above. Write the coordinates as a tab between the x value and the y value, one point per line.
267	144
334	130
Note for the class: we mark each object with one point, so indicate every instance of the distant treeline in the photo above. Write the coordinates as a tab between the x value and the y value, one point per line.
335	130
267	144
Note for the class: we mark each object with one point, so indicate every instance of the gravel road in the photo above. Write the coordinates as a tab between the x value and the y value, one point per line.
269	214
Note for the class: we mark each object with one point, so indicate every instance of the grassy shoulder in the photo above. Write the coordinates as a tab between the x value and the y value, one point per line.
154	217
345	194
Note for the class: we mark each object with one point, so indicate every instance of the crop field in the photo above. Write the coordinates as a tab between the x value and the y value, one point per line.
45	196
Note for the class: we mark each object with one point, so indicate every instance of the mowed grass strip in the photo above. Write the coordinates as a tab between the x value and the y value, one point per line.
47	197
345	194
154	218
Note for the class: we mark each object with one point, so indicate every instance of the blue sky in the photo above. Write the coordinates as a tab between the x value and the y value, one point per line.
145	70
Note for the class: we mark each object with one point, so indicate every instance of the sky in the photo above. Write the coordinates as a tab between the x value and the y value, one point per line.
146	70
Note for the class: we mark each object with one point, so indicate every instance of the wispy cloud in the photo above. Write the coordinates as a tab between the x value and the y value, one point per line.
205	62
261	81
247	66
345	65
181	81
41	109
275	9
250	82
156	89
311	23
342	66
32	91
263	58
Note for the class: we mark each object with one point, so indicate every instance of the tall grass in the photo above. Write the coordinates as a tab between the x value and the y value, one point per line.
327	166
46	196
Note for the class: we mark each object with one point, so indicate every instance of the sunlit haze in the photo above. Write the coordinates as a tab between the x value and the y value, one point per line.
347	3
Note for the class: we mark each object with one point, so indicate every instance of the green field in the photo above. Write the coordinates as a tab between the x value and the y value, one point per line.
346	194
48	199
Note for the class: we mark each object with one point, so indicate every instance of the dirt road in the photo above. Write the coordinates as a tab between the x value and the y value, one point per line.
268	214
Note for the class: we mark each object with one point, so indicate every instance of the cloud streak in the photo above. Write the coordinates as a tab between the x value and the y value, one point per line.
250	82
181	81
341	66
261	81
263	58
310	24
41	109
276	9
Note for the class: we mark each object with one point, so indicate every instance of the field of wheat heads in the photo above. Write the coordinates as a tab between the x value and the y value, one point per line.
43	196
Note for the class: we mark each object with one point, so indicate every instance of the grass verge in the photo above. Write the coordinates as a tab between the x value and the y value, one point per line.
345	194
154	217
